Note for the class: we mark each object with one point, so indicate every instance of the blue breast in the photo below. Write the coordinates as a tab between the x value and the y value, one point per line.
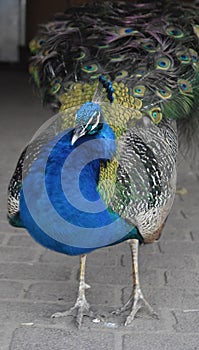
59	202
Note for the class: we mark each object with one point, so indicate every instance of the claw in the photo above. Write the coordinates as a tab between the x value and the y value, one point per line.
135	303
81	309
139	302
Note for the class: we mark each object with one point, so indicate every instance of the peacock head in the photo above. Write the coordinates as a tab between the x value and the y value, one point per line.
89	121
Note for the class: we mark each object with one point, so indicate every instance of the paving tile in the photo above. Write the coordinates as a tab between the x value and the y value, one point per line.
35	271
2	236
56	339
47	256
10	289
11	254
166	260
28	312
187	321
22	240
183	279
67	292
118	276
6	333
180	248
153	341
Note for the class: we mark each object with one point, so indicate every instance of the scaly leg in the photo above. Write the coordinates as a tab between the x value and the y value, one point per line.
81	306
137	300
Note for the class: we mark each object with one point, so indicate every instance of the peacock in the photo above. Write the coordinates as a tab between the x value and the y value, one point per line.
123	80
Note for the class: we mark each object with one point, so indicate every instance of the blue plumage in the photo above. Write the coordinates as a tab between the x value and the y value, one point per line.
59	185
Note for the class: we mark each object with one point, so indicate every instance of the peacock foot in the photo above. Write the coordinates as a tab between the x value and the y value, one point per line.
135	303
79	310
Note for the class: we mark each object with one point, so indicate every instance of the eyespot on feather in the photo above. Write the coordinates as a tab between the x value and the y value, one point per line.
121	74
185	86
90	68
164	93
54	89
117	58
41	42
194	57
126	31
156	114
150	46
163	63
140	71
174	32
183	57
56	81
139	90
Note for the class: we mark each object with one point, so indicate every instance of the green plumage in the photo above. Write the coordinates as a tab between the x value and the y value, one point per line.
149	45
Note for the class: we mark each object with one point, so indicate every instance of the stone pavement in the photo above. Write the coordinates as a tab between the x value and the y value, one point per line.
34	282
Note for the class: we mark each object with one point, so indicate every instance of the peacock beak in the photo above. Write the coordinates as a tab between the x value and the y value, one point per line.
74	139
77	133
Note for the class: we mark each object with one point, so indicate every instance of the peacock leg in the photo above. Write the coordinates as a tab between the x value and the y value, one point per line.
81	306
137	300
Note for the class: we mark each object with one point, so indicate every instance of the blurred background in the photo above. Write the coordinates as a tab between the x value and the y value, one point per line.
19	20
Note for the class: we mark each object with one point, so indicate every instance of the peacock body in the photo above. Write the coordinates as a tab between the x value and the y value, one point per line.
124	80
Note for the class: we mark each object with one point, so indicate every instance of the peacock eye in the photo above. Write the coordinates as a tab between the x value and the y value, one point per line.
117	58
139	90
55	81
163	63
90	68
121	74
41	42
194	55
164	93
55	88
55	85
156	114
149	47
184	86
174	32
140	71
195	59
183	57
127	31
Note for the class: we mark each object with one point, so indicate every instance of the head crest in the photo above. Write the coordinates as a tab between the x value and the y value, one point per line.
99	95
